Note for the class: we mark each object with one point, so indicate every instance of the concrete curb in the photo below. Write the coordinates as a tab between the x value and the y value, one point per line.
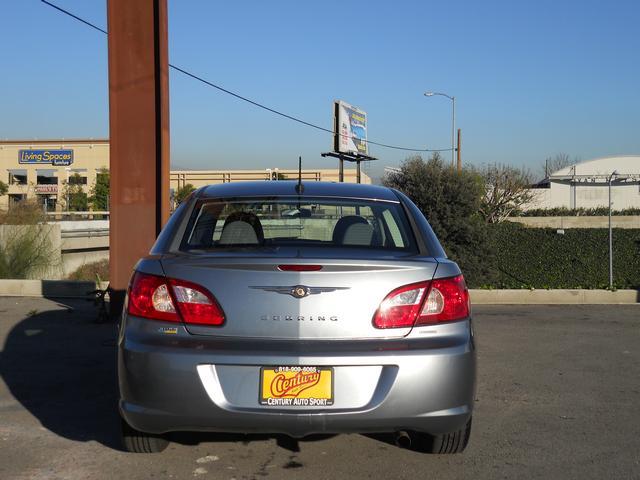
76	289
554	297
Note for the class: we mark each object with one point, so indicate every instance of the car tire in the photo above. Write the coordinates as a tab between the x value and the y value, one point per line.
136	441
447	443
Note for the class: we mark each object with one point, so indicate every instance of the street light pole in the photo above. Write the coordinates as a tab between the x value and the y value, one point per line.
453	120
453	130
610	234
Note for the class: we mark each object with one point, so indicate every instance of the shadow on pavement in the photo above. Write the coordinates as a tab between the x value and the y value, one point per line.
61	367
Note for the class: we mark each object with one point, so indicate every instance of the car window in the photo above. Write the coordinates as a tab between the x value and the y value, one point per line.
394	231
293	222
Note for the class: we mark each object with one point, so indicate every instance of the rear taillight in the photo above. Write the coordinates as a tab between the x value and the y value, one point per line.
196	304
442	300
448	300
156	297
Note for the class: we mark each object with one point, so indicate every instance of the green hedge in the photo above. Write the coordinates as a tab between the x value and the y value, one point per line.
579	258
575	212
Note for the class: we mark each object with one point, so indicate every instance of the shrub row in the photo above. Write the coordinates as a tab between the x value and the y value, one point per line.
579	258
575	212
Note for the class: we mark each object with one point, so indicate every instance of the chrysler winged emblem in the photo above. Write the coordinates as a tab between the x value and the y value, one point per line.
298	291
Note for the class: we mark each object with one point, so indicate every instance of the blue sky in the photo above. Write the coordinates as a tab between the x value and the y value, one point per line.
531	78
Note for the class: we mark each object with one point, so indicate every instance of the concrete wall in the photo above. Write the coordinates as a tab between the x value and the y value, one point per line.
619	221
199	178
72	260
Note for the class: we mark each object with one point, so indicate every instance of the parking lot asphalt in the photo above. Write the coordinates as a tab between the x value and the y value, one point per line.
558	397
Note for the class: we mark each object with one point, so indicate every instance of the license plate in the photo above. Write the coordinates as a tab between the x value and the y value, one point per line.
296	386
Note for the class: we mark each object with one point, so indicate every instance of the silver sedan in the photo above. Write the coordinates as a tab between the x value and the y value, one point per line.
264	307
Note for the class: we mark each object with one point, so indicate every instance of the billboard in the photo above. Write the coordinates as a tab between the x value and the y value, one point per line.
56	157
350	129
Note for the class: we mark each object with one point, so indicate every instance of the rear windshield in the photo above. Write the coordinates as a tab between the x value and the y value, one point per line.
273	222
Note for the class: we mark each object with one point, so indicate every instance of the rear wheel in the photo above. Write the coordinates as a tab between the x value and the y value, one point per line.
141	442
447	443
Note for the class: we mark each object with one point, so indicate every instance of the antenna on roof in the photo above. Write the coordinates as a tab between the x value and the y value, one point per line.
299	186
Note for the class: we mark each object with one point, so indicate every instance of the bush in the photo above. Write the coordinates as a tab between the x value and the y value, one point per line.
183	192
92	272
451	203
542	258
26	249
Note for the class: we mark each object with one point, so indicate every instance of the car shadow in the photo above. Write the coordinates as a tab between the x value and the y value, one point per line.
61	366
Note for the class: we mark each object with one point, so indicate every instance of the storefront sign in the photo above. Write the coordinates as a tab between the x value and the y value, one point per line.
47	189
52	157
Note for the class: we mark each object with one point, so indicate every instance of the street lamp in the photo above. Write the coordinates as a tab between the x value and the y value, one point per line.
453	120
613	174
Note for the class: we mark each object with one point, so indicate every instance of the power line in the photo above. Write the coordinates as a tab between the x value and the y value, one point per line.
66	12
245	99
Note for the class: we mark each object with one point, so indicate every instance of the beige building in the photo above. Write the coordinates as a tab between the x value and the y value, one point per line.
42	168
586	185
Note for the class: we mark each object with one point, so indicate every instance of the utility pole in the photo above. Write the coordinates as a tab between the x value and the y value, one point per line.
139	135
459	153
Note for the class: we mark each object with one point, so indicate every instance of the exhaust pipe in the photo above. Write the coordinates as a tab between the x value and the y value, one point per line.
402	439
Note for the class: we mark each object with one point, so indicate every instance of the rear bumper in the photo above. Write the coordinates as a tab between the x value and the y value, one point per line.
187	383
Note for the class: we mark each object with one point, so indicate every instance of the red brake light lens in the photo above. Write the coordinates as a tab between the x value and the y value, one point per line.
442	300
448	300
149	297
156	297
299	268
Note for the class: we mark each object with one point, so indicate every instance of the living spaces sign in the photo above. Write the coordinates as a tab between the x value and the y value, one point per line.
57	157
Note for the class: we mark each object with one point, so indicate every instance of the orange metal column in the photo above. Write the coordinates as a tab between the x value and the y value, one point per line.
139	134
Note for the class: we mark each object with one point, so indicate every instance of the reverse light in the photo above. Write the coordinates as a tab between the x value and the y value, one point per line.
156	297
401	307
442	300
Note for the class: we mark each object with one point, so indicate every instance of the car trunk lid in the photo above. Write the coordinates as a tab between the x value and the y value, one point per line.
337	301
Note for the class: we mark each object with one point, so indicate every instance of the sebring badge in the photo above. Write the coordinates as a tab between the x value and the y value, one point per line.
299	291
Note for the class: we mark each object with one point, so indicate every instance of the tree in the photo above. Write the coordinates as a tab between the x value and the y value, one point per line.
73	195
451	203
183	192
4	188
507	190
553	164
99	195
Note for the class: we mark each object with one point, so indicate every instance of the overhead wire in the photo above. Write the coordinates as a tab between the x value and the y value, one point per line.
248	100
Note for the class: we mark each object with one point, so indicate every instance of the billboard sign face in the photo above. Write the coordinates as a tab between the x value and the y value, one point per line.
351	129
48	157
